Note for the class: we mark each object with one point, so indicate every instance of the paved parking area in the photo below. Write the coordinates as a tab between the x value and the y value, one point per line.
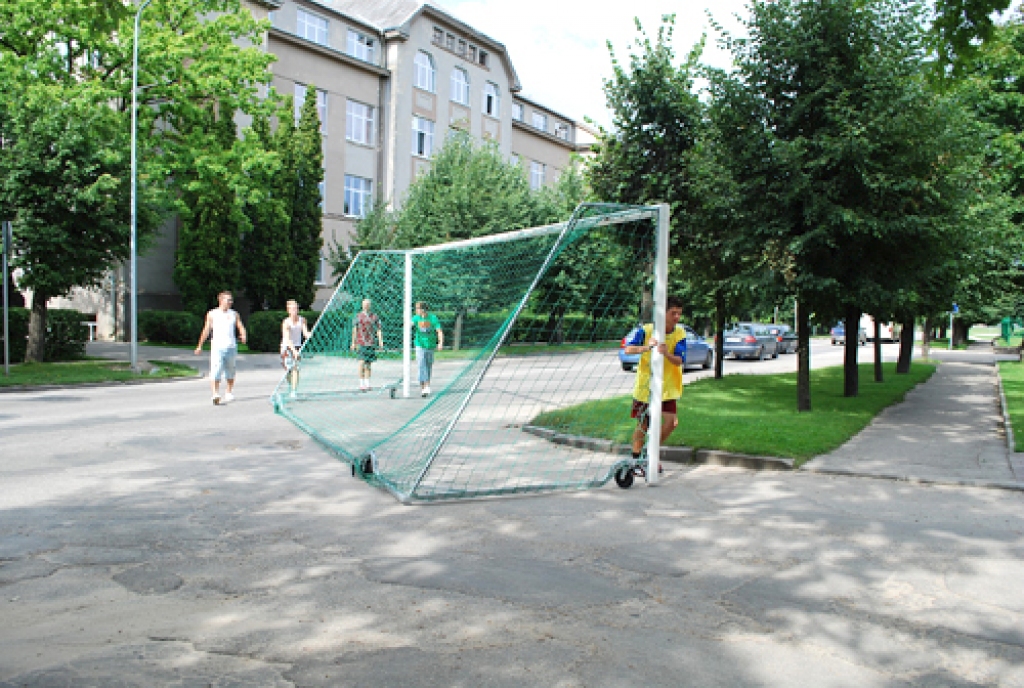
149	538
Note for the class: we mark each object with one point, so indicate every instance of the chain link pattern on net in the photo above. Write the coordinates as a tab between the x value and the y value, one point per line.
532	325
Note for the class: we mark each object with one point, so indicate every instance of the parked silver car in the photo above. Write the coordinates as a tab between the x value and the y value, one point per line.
751	340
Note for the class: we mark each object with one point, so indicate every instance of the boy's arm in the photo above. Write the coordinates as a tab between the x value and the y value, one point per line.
380	335
204	335
241	329
678	353
635	344
440	338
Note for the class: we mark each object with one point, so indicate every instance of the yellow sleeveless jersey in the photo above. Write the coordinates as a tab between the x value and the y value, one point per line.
672	387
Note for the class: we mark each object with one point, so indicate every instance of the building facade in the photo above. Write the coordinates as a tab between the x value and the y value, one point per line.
393	78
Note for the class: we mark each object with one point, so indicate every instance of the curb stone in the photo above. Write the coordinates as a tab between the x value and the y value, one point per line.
682	455
712	457
1010	443
15	389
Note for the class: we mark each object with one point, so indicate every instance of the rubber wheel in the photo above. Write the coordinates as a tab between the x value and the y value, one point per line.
393	390
624	478
367	466
708	361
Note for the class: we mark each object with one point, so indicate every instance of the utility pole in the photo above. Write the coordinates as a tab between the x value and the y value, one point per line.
5	229
134	346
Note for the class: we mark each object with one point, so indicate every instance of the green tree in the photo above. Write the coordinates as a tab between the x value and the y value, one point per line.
306	209
267	245
212	218
75	55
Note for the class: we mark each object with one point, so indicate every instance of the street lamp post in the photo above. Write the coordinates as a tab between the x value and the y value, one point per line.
134	199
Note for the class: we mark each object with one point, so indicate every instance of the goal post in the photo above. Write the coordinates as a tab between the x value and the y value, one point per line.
530	392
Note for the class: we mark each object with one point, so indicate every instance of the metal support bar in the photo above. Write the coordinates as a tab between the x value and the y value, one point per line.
658	334
133	249
407	327
5	228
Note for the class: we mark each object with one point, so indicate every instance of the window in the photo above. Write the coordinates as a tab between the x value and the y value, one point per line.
359	123
424	71
438	35
540	121
462	47
515	158
562	131
450	42
359	46
492	100
358	195
322	188
322	270
472	53
517	112
321	105
460	86
536	175
312	27
422	137
483	59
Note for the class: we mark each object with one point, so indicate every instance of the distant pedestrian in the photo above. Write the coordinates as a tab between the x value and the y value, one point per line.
294	331
428	336
222	322
367	336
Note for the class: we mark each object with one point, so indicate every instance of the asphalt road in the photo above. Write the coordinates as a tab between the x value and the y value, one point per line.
149	538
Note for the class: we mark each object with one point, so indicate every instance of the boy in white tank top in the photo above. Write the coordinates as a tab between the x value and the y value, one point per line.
294	331
223	322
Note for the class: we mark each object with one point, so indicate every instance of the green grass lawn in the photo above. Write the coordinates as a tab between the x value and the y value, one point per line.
242	348
1012	374
756	414
77	372
1014	341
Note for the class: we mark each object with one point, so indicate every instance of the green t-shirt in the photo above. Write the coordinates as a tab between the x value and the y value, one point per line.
425	331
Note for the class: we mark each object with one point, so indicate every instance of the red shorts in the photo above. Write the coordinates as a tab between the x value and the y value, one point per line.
640	408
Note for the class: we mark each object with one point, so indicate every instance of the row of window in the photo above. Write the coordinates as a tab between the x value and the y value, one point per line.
425	80
540	121
360	119
460	47
315	28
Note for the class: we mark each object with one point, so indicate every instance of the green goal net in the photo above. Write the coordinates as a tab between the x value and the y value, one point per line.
530	322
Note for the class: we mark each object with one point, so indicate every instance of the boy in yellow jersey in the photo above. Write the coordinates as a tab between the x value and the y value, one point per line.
674	351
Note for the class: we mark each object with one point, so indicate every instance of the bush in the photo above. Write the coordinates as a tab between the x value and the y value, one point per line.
18	324
264	328
170	327
65	334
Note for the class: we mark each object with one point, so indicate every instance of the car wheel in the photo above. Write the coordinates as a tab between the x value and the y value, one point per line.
709	361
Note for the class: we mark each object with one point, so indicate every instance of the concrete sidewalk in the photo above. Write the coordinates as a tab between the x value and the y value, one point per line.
184	356
948	430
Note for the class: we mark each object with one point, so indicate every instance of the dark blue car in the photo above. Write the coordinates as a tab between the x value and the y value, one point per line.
698	352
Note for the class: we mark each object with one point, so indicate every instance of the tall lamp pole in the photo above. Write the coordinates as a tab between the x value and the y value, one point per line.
134	200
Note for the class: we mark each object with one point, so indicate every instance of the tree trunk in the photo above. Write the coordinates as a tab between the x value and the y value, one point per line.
906	346
926	337
960	332
851	373
36	350
803	357
942	330
878	350
719	335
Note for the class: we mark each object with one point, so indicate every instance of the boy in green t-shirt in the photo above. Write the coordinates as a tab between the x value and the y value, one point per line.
427	336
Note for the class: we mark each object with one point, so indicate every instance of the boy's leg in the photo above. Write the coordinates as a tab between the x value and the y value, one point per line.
640	431
229	368
669	422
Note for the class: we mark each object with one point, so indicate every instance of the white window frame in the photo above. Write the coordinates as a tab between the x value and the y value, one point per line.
315	23
358	195
426	72
422	137
539	121
492	99
360	123
321	104
460	87
321	271
538	171
361	46
518	112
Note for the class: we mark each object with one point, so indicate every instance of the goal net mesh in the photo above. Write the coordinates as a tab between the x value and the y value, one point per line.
531	323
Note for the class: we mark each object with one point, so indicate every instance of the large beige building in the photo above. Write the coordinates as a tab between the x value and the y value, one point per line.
393	77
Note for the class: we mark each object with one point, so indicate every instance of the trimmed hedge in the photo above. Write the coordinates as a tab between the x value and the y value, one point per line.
264	328
170	327
65	334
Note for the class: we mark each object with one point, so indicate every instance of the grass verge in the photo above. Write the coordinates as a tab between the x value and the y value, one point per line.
79	372
756	414
1012	375
242	348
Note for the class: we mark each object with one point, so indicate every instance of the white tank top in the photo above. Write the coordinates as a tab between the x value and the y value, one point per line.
295	331
224	323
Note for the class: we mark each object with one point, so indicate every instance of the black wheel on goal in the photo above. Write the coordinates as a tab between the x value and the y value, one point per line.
624	477
392	392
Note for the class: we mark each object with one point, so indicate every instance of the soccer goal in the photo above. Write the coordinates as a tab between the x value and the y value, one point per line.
528	392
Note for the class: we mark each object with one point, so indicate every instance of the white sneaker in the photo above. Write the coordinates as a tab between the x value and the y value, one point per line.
229	397
424	392
291	395
216	399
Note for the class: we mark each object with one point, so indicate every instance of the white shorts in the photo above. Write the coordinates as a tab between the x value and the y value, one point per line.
222	363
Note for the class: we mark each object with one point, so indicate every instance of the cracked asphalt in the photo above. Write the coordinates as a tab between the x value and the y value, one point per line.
150	539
